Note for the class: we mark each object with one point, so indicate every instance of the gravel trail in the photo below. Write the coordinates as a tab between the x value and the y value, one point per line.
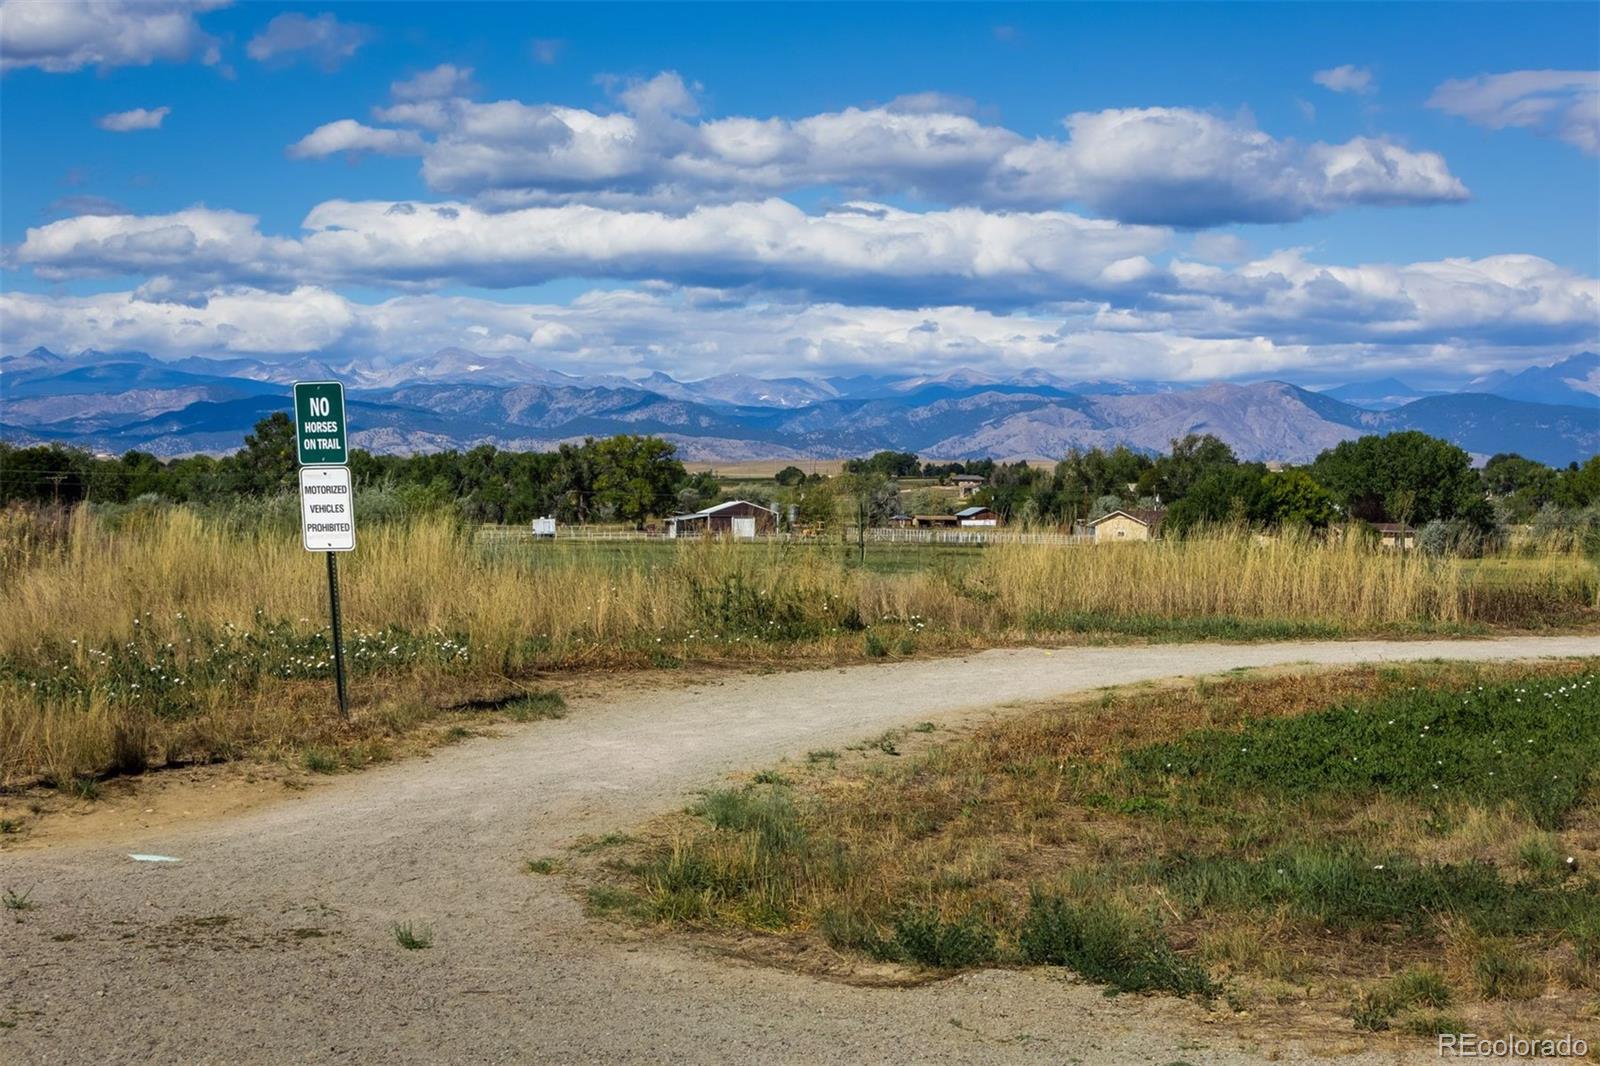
270	941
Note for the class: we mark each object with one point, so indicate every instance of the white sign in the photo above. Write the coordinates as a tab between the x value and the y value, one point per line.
327	509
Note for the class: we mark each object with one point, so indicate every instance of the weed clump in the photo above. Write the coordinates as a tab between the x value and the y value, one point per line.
923	937
1104	944
320	761
1502	970
412	938
1418	988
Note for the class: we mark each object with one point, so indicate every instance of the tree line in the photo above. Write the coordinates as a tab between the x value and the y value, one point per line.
1408	478
1402	477
623	478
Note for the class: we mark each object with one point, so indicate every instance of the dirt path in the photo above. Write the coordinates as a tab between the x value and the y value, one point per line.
270	940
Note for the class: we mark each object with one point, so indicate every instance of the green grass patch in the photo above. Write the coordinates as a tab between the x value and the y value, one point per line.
536	706
602	842
1533	743
1347	888
1103	944
18	902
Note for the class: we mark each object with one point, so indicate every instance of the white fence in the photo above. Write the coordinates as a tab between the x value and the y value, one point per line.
514	533
971	535
974	535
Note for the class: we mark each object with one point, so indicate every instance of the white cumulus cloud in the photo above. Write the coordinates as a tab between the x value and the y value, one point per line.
861	255
1159	165
348	135
61	36
321	39
1346	79
140	118
1553	103
697	333
446	79
232	321
864	251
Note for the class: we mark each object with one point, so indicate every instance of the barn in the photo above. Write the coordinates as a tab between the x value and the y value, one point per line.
739	519
978	516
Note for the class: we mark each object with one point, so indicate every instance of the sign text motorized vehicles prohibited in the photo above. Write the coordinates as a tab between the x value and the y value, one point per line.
327	517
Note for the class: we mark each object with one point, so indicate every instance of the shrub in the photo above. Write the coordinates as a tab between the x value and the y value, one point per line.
923	937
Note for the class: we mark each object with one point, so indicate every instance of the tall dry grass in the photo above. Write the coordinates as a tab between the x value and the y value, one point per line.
109	635
1343	583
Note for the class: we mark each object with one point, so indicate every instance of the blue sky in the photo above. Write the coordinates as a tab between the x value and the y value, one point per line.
1315	192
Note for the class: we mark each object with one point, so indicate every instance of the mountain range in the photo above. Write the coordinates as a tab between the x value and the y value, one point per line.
111	402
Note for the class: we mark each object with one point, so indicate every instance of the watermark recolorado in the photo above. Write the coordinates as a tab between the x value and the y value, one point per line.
1473	1046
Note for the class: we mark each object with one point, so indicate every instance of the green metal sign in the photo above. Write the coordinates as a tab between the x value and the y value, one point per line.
319	425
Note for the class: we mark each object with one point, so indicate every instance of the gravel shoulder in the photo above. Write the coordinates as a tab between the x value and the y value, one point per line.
270	940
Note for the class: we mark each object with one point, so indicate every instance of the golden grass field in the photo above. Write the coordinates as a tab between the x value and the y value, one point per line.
170	637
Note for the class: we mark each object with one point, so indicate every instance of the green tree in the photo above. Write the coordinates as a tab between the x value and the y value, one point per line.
1192	458
1579	486
1223	493
44	474
267	463
1521	486
1085	476
886	464
869	496
1407	475
819	504
636	477
1294	498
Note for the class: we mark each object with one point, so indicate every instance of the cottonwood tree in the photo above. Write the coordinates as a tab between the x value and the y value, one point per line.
1409	475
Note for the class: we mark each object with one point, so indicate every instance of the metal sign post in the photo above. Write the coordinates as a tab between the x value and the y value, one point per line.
327	499
338	637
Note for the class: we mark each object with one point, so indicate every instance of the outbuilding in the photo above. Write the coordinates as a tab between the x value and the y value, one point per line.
1138	524
1396	535
739	519
967	484
978	516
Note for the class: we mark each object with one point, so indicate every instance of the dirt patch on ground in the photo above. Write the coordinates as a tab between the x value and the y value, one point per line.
153	802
